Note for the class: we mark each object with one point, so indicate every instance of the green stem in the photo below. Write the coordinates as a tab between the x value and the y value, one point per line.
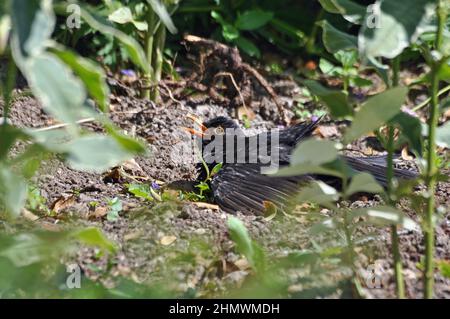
160	41
350	245
8	87
310	47
148	45
431	168
346	83
430	182
424	103
398	269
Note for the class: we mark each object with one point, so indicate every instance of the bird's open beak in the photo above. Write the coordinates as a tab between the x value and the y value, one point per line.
198	123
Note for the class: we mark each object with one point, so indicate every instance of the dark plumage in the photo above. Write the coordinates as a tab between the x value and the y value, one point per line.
242	186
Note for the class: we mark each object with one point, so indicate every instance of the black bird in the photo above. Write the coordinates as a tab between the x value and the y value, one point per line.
243	187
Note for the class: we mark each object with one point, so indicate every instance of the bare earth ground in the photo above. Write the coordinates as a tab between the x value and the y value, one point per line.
200	261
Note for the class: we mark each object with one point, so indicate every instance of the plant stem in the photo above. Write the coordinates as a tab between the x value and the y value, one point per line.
425	103
160	41
398	269
148	45
350	245
310	48
7	88
431	168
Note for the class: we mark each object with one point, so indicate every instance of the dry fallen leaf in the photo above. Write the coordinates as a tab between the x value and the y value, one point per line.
405	154
113	175
242	264
29	215
99	212
206	205
326	131
447	114
63	203
245	111
132	236
167	240
50	226
132	165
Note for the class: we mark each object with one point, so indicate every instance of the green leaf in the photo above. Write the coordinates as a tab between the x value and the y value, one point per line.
216	169
218	17
397	25
248	47
132	47
127	142
60	92
444	268
328	68
33	22
318	192
411	129
9	135
385	215
29	248
351	11
329	224
314	152
360	82
347	58
90	73
95	153
335	100
363	182
94	237
376	111
160	9
335	40
253	19
13	190
5	28
245	245
124	15
140	191
443	135
337	168
229	32
444	72
115	207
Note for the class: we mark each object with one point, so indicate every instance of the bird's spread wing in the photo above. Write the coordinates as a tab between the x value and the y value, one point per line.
242	187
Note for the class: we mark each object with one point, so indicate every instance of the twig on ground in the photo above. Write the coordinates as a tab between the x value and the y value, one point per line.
61	125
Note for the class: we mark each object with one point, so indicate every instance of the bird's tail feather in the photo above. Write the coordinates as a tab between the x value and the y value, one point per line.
377	167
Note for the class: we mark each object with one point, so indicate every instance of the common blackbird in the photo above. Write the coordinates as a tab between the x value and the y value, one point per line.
241	186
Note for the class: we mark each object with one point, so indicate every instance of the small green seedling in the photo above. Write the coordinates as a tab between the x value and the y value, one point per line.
347	71
115	207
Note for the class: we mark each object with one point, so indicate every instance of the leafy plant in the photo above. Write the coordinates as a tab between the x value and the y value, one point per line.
115	207
347	71
345	222
133	31
247	21
392	34
35	201
62	81
145	191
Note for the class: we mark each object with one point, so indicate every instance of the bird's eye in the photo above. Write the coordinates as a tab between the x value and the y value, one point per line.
219	130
